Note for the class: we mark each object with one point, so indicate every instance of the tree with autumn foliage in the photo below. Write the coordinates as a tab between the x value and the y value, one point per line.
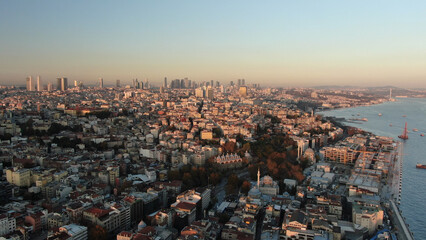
233	184
97	232
230	147
245	187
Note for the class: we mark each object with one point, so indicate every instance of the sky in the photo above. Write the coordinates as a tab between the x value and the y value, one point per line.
274	43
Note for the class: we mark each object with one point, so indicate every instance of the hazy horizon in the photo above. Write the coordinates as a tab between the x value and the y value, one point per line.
274	43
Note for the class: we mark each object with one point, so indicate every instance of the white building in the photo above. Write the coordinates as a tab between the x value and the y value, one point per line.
76	232
7	224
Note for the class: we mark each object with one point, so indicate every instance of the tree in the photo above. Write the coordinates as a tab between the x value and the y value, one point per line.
214	178
230	147
55	128
187	180
97	233
232	185
304	163
245	187
173	175
217	132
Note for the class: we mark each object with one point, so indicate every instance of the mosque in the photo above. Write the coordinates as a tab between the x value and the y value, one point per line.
265	186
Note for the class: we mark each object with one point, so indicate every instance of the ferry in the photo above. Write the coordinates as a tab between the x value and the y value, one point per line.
358	119
423	166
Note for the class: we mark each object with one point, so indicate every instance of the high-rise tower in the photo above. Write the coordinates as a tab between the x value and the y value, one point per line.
39	86
62	83
101	83
30	83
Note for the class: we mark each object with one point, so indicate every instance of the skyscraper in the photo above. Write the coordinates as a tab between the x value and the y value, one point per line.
39	86
117	83
243	82
58	83
62	83
49	87
30	83
101	83
165	82
210	93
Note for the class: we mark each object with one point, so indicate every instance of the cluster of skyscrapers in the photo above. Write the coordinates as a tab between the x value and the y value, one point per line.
185	83
31	86
61	84
140	85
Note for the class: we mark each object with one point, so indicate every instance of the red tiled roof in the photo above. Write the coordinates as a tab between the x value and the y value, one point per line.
98	212
185	205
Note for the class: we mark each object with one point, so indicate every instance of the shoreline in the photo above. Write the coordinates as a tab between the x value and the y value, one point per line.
393	186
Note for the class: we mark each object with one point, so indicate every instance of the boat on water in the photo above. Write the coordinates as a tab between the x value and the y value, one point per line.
422	135
422	166
359	119
404	115
380	114
390	125
415	129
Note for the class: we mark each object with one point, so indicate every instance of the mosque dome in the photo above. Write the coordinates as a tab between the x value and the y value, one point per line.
267	180
254	192
309	151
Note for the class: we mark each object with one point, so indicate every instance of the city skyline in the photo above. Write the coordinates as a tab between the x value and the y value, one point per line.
296	44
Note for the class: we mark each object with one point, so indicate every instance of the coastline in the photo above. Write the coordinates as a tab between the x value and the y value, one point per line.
391	191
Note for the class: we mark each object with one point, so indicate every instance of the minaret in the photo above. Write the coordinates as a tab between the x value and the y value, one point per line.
258	178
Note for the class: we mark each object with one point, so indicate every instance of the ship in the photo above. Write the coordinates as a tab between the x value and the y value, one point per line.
404	135
359	119
422	166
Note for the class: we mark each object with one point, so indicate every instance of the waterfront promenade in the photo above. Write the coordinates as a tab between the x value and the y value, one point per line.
403	232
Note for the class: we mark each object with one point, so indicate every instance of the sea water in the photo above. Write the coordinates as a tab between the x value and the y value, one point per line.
388	119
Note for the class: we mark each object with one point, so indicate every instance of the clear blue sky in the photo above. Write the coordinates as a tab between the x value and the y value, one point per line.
280	43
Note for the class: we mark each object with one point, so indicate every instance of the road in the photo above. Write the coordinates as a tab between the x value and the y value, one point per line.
220	188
